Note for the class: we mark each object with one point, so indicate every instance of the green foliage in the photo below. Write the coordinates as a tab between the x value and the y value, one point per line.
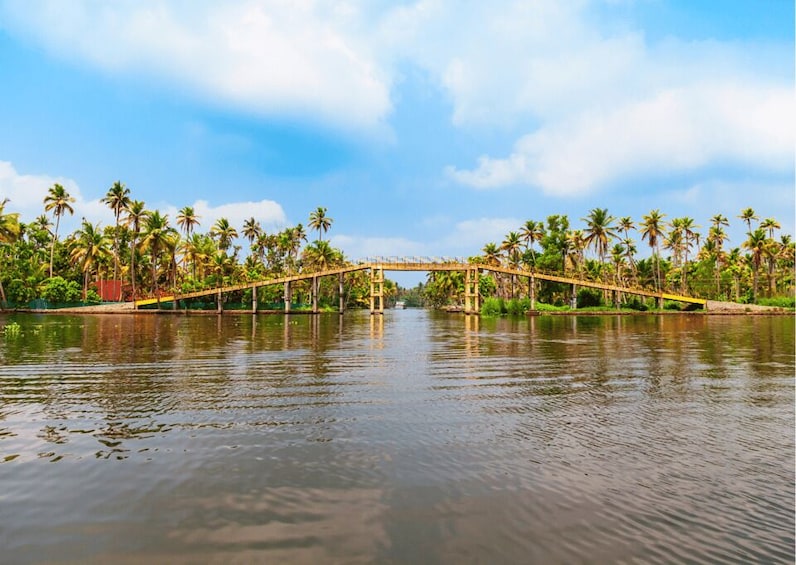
778	302
492	306
57	289
589	297
12	329
21	292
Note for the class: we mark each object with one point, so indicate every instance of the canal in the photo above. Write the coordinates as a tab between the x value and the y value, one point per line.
415	437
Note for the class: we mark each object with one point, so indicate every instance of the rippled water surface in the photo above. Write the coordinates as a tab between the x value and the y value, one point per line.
411	438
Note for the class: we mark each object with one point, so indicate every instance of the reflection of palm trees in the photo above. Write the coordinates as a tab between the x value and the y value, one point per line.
88	249
59	201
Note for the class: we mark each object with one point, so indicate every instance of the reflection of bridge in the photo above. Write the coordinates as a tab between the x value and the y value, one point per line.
377	265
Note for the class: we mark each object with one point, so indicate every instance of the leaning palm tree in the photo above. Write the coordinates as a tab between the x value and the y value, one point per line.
652	229
136	214
599	231
320	221
118	200
59	201
89	248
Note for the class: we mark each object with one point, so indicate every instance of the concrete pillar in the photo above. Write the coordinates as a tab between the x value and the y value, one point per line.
254	300
314	292
532	291
288	297
340	293
573	301
219	302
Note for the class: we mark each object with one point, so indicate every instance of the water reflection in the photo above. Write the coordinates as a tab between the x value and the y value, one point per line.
411	436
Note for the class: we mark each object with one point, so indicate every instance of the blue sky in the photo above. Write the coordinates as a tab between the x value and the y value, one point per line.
426	128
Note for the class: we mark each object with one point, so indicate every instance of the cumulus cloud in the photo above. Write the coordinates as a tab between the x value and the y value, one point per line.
272	57
673	131
26	195
360	248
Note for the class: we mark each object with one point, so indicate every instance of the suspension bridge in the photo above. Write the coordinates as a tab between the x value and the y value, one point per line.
376	266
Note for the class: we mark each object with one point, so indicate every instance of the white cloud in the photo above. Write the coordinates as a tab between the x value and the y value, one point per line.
26	195
356	247
268	56
674	131
469	236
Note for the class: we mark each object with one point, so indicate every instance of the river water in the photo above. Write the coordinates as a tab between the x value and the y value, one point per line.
410	438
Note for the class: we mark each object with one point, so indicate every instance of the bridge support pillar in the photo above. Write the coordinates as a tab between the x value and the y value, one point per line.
573	300
254	300
340	293
288	297
219	302
377	289
532	291
471	292
659	302
314	292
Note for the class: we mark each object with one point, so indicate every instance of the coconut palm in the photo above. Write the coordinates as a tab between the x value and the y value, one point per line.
599	231
652	229
319	221
118	200
320	256
89	248
757	244
251	230
747	215
59	201
491	254
10	230
224	232
156	233
136	214
187	220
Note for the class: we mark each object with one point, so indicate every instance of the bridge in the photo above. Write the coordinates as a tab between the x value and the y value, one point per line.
378	265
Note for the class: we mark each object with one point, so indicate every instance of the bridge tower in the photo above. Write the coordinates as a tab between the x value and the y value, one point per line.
377	289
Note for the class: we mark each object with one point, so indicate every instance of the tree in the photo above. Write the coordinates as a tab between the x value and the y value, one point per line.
89	248
599	231
58	201
224	232
747	215
652	230
118	200
136	214
9	232
319	221
251	230
531	232
156	232
187	220
756	244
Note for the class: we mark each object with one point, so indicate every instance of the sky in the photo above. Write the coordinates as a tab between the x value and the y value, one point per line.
426	128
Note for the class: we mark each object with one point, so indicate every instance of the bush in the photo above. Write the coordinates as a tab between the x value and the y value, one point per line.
588	297
20	292
493	307
57	289
778	302
637	304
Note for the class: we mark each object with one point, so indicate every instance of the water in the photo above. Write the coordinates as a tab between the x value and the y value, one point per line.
412	438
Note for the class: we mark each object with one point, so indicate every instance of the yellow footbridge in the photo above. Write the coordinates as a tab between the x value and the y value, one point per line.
377	267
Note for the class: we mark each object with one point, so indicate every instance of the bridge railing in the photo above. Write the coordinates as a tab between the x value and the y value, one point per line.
412	260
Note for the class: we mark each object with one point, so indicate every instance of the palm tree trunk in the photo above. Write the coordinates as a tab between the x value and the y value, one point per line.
52	245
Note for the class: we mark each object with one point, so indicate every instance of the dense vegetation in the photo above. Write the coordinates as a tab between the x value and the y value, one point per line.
153	255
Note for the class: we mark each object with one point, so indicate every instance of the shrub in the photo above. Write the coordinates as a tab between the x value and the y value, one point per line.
493	306
57	289
588	297
779	302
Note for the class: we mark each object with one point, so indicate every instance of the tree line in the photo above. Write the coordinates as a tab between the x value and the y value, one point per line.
152	254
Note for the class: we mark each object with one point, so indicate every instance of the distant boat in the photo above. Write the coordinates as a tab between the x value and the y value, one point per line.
400	305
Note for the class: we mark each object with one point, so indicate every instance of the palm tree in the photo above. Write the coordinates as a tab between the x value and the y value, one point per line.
156	231
532	232
652	231
10	230
491	254
511	245
252	230
224	232
117	199
747	215
687	228
187	220
319	221
757	244
59	201
136	214
320	255
719	221
599	231
717	237
89	248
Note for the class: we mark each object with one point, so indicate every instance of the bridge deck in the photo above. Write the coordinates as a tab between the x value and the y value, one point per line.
426	266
